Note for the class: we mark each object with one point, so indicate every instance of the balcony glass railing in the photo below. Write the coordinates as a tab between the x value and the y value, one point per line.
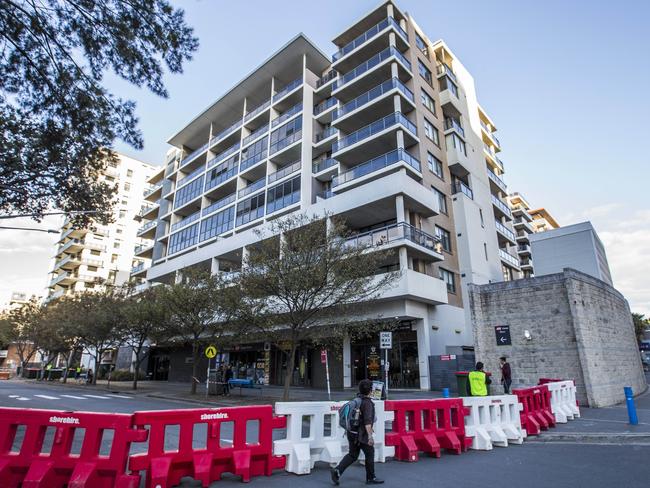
221	177
509	258
454	124
187	220
375	128
376	164
252	160
490	133
256	185
246	217
325	194
287	170
257	110
458	186
223	155
504	230
147	226
500	183
323	164
325	79
225	132
374	93
369	34
287	89
193	154
324	105
142	247
444	69
152	189
254	135
137	268
190	177
392	233
501	205
146	208
296	109
523	248
287	141
213	207
326	134
371	63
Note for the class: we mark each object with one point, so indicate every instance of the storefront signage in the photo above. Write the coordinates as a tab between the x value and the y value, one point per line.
374	366
386	340
502	333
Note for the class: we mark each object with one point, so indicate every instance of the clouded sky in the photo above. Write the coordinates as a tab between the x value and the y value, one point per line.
565	83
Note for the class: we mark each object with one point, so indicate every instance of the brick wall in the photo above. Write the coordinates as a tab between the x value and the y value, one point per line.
580	329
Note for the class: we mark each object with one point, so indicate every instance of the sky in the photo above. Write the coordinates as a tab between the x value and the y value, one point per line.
564	82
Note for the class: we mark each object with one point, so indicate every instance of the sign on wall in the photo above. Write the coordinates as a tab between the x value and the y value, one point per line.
502	333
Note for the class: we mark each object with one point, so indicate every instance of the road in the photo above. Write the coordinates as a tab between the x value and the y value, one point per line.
535	465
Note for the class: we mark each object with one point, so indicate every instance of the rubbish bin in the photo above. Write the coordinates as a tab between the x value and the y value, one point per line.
461	381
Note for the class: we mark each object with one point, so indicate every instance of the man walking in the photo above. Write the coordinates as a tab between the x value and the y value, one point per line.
477	381
361	440
506	375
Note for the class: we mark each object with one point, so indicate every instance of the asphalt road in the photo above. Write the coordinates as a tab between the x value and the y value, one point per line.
534	465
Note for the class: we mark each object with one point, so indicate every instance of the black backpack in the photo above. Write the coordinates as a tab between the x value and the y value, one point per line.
350	415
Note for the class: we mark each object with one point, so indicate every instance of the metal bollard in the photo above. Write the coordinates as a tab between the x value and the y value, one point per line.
445	393
631	408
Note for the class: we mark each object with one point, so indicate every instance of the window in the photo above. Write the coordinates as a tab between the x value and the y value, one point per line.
95	252
442	200
250	209
117	244
448	278
254	153
217	224
435	165
122	214
427	101
452	140
113	258
119	231
188	192
445	238
485	250
424	72
92	268
127	186
183	239
286	135
282	195
447	84
129	173
480	212
124	202
419	42
431	132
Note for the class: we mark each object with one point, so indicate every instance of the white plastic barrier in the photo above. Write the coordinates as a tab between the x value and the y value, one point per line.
303	452
493	421
563	401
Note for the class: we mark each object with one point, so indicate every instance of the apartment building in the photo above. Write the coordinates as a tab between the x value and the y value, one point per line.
522	222
86	258
387	133
543	220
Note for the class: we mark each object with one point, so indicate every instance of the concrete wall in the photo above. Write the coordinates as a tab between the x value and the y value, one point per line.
580	329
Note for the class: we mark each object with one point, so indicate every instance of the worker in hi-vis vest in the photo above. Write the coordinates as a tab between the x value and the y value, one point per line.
477	381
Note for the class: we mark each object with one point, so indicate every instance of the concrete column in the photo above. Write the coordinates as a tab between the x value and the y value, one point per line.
347	362
399	208
214	266
391	39
394	70
423	333
283	240
178	277
402	24
245	253
390	10
403	258
306	187
399	136
397	102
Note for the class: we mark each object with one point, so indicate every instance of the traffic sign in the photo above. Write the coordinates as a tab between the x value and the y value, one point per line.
502	333
386	340
210	351
323	356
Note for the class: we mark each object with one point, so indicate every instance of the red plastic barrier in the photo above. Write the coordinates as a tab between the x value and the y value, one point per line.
215	457
30	468
536	414
428	426
543	381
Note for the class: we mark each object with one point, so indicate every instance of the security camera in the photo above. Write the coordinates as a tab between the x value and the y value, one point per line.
528	336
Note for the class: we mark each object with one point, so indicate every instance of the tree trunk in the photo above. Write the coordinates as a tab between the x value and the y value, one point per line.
195	350
97	356
291	360
136	371
67	367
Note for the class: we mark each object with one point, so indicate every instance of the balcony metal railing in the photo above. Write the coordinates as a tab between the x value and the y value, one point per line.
137	268
369	34
194	154
325	104
152	189
249	216
323	164
501	205
326	78
371	63
444	69
147	226
223	155
490	133
509	258
374	128
226	175
376	164
454	124
282	172
392	233
225	132
142	247
59	278
252	160
325	194
92	262
187	220
190	177
257	110
523	248
458	186
254	135
286	115
213	207
326	134
287	141
288	88
146	208
500	183
504	230
372	94
254	186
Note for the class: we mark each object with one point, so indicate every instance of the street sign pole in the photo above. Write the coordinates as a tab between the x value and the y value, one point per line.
327	372
386	343
386	369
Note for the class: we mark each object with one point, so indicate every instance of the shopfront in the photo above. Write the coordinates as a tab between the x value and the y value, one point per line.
367	359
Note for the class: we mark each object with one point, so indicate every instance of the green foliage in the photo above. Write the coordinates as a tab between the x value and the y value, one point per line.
641	324
58	122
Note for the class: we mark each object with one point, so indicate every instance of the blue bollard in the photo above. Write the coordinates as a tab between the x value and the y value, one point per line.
631	408
445	393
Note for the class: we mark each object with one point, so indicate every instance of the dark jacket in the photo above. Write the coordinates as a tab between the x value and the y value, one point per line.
367	418
506	373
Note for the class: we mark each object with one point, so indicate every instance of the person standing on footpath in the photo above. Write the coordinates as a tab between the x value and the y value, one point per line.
227	378
477	381
506	375
361	440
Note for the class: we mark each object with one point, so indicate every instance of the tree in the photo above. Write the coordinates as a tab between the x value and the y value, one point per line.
304	282
58	122
146	321
641	324
203	308
21	330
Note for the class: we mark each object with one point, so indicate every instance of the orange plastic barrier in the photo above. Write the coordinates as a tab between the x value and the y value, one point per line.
536	414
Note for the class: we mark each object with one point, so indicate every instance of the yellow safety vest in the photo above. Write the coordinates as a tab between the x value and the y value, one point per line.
477	383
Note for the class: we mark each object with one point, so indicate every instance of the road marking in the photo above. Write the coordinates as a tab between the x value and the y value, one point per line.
74	396
14	396
22	398
115	396
47	397
97	396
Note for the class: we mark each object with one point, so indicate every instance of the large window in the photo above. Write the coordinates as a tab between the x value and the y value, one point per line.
217	224
183	239
447	84
453	140
445	238
435	165
419	42
188	192
250	209
286	135
431	132
424	72
282	195
427	101
222	172
448	278
253	153
442	200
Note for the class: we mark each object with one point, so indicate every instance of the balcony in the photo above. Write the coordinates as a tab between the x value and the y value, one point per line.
490	135
60	278
492	157
223	155
526	264
144	251
136	269
221	135
146	209
524	249
458	186
213	207
326	134
326	79
152	190
370	64
453	124
252	160
222	176
285	171
190	177
523	224
253	187
193	155
325	105
287	89
417	286
382	126
501	207
509	258
398	235
93	262
323	164
148	225
376	165
186	221
296	109
72	245
497	181
445	70
382	27
394	84
505	232
254	135
286	142
521	211
251	114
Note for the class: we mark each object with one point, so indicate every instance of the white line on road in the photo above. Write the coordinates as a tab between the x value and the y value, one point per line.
97	396
47	397
115	396
22	398
74	396
14	396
